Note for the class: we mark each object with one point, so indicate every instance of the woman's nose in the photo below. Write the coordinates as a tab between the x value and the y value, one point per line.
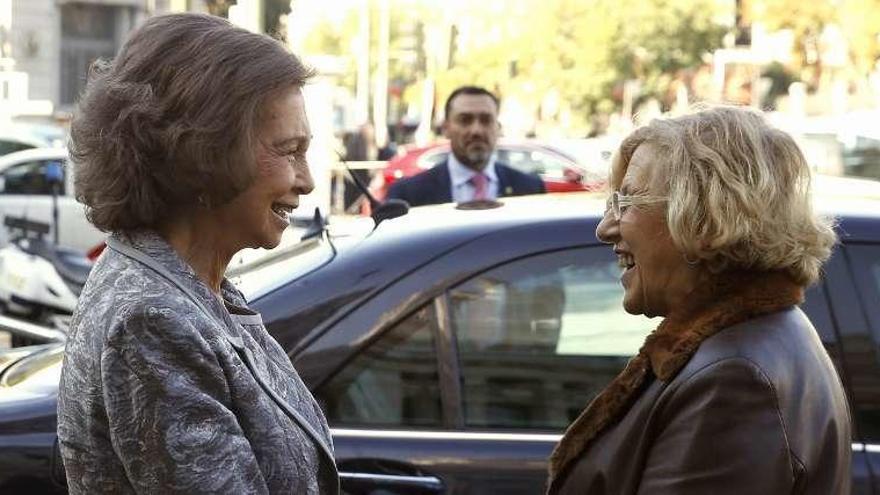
304	182
608	229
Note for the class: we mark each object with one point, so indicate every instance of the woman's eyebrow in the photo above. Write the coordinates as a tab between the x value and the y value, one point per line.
293	141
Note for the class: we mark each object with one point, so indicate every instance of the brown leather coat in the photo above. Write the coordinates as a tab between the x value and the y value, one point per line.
738	397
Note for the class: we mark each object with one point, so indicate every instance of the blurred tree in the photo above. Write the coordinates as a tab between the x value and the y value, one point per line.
860	20
806	20
780	79
585	49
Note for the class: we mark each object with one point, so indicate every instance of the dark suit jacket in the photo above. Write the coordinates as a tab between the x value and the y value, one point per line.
434	186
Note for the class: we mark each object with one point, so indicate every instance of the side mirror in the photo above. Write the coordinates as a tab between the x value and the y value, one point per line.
391	208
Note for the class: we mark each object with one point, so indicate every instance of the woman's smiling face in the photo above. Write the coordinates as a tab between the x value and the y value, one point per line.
259	215
656	278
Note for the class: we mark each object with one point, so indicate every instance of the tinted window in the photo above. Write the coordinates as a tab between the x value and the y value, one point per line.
539	337
270	271
7	146
394	382
28	178
862	357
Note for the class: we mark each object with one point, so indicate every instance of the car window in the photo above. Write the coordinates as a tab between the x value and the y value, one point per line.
7	146
863	354
394	382
539	337
255	279
534	162
28	178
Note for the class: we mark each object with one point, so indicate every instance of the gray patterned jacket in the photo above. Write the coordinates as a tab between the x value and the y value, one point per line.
166	389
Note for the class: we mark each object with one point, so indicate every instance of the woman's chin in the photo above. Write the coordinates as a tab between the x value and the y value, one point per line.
631	305
271	241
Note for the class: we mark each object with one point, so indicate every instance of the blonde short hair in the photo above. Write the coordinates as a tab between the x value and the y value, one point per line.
738	192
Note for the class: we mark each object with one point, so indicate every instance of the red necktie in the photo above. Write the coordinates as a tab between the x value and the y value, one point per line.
479	182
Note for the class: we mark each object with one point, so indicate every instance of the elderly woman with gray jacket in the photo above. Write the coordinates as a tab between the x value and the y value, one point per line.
189	146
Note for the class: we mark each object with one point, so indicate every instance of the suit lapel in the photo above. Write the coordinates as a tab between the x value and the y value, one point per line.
248	359
505	188
441	187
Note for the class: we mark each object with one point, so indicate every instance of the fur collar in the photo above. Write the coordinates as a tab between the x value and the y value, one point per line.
733	299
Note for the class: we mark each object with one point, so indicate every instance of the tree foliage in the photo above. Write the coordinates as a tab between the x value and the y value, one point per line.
807	21
586	49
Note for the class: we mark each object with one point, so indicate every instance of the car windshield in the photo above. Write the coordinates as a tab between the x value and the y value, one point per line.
259	277
269	270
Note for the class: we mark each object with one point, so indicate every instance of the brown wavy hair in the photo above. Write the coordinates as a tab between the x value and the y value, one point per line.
171	121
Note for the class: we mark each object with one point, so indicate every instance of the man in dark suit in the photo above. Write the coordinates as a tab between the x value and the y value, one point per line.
471	172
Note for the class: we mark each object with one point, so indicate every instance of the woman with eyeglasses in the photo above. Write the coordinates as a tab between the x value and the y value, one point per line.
733	393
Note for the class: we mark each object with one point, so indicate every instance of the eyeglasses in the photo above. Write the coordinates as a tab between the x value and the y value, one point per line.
618	203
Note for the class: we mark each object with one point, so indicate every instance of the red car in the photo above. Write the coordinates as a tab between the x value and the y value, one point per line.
559	171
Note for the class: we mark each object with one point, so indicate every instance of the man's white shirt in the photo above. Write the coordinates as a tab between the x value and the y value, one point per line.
460	177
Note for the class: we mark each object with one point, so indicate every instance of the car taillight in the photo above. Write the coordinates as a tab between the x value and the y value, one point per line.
96	251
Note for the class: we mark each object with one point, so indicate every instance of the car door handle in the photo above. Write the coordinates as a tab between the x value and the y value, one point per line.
363	482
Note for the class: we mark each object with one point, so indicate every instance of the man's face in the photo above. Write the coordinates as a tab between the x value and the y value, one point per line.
472	129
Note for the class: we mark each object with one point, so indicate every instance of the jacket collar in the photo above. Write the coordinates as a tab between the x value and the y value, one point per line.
733	298
459	173
158	250
444	181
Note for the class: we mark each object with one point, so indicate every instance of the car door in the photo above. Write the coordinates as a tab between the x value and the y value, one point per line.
536	339
852	278
403	413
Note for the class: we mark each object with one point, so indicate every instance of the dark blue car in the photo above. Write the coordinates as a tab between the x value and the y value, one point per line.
450	347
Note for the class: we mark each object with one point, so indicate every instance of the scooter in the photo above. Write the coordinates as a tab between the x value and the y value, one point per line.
40	281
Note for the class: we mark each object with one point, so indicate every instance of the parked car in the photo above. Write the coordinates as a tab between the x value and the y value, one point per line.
450	347
25	192
559	171
18	137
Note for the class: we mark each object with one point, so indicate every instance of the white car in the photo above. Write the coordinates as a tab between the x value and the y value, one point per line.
17	136
25	192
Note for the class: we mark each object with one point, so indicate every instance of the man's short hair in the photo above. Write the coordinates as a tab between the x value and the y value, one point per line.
469	90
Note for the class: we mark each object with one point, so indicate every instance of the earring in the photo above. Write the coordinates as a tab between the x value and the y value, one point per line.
691	263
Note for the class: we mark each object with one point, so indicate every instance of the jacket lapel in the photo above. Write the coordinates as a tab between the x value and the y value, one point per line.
152	251
736	298
441	183
505	187
247	357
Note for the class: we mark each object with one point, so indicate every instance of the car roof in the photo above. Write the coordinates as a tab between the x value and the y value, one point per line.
428	231
32	154
436	228
402	245
843	197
